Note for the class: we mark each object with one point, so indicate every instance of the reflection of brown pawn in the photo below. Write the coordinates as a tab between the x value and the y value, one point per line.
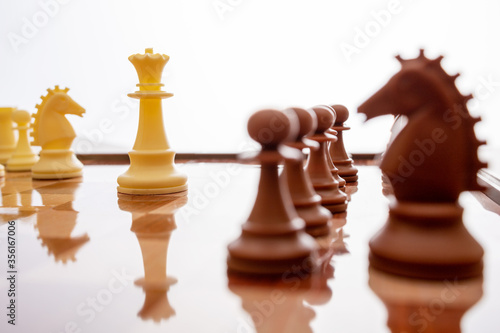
337	151
317	166
306	201
273	238
271	314
278	305
55	222
153	221
425	306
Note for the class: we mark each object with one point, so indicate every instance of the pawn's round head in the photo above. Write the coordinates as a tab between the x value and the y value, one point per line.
342	114
271	127
326	117
307	121
21	117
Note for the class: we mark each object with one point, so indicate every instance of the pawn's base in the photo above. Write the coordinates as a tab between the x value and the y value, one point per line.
350	179
346	170
5	153
336	208
21	162
57	164
316	217
272	255
142	191
426	240
152	172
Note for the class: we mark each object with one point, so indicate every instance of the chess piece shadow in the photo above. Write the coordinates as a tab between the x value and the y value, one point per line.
153	221
57	219
425	306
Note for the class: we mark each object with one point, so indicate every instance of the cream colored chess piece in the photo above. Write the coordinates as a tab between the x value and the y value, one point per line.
53	132
152	169
7	138
24	157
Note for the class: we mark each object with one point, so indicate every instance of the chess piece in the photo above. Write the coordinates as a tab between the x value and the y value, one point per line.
333	168
2	171
273	240
23	157
425	306
152	168
431	161
337	151
153	221
306	201
7	138
317	166
54	133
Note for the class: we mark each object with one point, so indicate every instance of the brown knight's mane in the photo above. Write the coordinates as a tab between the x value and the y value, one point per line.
457	103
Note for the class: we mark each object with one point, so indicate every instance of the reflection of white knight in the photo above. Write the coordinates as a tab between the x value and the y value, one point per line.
53	132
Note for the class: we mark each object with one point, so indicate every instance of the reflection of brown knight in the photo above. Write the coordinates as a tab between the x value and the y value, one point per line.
425	306
153	221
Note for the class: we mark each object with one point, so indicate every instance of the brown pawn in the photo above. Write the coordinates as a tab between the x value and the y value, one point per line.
331	165
273	240
337	151
306	201
317	166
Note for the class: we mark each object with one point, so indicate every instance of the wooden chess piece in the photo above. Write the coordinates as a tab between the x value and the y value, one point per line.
307	203
431	161
337	151
54	133
317	167
152	168
23	157
273	240
7	138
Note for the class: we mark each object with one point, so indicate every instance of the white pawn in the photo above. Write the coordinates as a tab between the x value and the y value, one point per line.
23	157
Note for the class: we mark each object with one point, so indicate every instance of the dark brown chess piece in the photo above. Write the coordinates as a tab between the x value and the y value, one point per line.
306	201
153	221
425	306
337	152
333	168
273	239
431	161
317	165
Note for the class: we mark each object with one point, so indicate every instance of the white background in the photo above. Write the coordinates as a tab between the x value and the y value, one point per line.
231	57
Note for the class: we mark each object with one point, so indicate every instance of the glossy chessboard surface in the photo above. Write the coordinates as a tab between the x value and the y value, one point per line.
92	261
